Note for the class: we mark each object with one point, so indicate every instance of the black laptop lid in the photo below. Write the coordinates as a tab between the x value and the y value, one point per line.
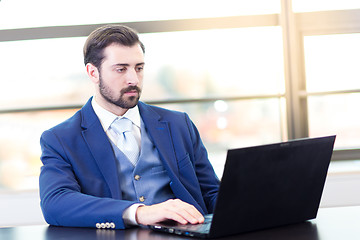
271	185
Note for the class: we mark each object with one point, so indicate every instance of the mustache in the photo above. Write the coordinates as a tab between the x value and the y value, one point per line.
131	88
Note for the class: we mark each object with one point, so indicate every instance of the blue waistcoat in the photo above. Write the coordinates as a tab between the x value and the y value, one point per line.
147	182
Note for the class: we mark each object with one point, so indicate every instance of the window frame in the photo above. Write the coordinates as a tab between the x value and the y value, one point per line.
295	27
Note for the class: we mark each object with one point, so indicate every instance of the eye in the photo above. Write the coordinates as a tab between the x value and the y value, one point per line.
139	69
120	69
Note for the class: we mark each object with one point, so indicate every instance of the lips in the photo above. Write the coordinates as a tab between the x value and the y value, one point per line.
131	94
131	91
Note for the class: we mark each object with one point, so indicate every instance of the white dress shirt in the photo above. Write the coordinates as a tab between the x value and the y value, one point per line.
107	118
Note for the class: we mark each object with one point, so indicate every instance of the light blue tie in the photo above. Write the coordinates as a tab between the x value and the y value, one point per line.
126	140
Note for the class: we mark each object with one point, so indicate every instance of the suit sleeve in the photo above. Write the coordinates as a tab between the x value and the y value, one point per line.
209	182
62	201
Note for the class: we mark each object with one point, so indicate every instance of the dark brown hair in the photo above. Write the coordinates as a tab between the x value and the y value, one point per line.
104	36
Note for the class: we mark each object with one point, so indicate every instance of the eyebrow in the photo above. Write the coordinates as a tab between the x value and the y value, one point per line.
126	64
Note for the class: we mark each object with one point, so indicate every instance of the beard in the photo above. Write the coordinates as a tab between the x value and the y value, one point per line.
121	101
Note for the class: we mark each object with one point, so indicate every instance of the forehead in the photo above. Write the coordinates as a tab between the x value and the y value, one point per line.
120	54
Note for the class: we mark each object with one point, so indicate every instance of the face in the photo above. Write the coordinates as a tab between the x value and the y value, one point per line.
120	78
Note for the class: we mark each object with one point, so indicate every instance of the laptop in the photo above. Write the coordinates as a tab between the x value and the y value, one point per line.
264	187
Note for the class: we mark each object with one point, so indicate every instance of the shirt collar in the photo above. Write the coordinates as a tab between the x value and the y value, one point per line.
106	118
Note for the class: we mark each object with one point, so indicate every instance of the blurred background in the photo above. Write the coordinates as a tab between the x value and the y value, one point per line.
247	72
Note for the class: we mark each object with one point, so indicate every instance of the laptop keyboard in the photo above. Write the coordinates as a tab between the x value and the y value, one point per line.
203	227
188	230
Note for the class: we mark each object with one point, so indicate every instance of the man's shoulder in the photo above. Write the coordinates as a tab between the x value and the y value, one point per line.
81	117
71	123
162	112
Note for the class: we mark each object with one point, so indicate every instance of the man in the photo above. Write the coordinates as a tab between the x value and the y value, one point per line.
89	180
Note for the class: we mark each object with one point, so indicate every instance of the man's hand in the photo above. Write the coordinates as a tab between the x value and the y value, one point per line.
173	209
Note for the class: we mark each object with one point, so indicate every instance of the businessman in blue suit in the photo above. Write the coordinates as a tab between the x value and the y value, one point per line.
87	180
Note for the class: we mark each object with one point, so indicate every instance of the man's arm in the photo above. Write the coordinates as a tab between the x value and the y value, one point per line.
205	174
64	204
62	199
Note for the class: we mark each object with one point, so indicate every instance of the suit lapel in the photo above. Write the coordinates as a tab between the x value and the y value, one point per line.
160	135
159	132
100	148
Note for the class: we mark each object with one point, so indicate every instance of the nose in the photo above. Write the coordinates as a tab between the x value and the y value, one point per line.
132	77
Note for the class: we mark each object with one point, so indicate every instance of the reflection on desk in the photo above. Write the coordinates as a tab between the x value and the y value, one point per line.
331	224
55	233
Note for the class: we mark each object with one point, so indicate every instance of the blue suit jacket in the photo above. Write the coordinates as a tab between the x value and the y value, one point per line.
79	182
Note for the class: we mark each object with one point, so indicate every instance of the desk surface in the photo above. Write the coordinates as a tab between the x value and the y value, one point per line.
330	224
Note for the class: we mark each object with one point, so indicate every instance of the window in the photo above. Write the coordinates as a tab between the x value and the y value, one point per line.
234	124
331	62
223	64
324	5
201	66
332	81
213	63
336	114
44	72
20	151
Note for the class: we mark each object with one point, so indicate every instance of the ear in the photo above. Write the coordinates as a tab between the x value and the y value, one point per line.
93	73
